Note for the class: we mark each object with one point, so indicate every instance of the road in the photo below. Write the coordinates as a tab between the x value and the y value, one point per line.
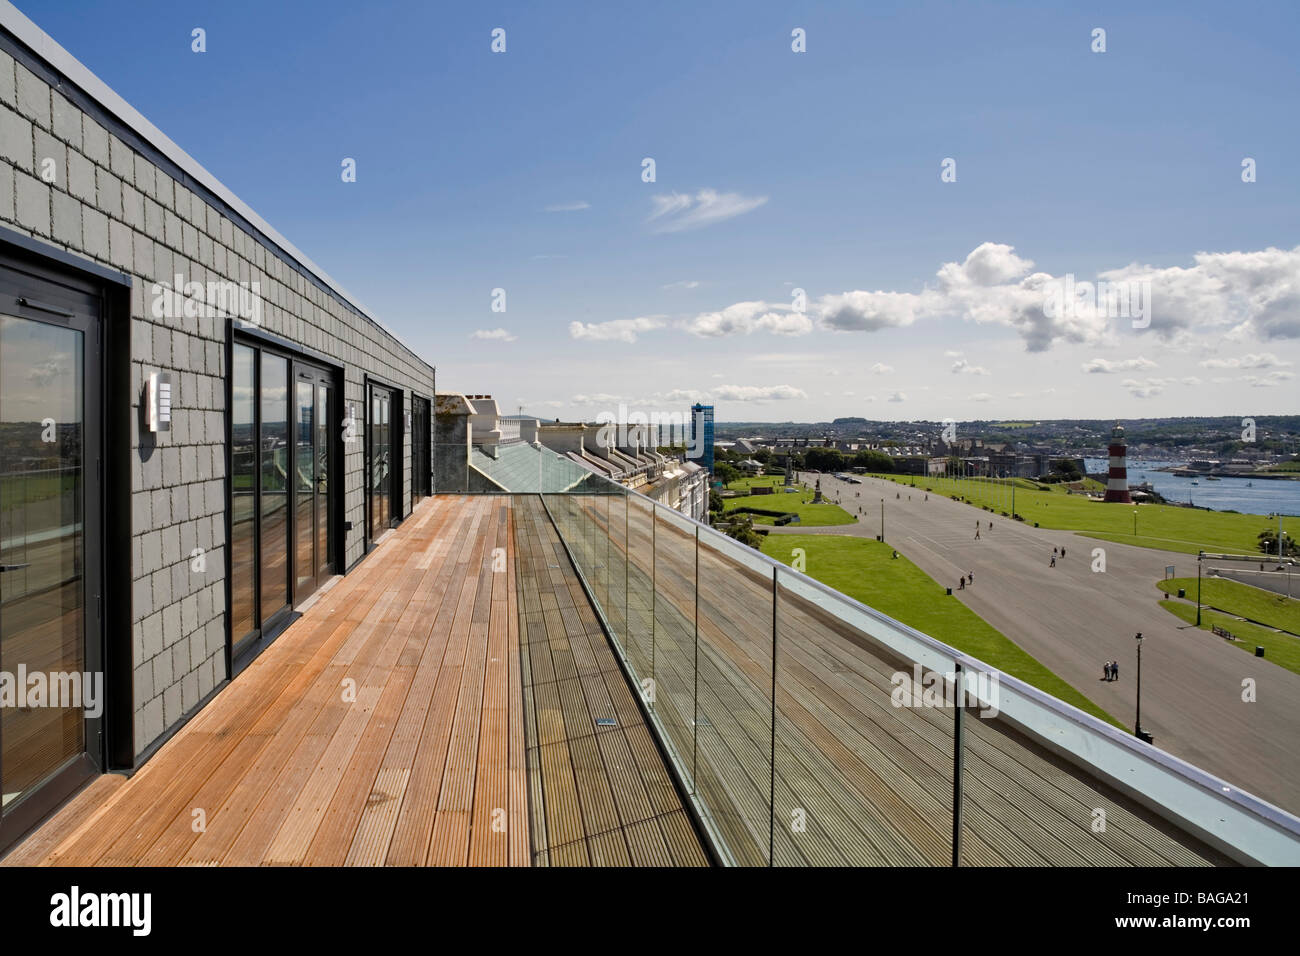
1073	619
1286	582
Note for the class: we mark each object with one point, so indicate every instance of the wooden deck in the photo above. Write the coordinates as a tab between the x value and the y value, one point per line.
599	791
387	726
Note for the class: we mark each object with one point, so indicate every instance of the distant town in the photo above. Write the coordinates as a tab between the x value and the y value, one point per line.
1265	447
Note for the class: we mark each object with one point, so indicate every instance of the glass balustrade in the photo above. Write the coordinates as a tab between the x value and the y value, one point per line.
808	729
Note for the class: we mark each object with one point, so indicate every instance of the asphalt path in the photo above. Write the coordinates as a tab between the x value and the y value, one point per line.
1285	582
1073	619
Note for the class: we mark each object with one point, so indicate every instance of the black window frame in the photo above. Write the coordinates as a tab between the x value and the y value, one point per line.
110	404
242	650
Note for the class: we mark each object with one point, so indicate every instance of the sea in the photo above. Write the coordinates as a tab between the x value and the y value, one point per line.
1248	495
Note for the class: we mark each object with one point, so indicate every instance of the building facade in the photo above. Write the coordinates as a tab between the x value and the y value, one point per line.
198	427
700	449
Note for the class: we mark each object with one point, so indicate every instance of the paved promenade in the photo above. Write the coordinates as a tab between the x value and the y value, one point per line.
1073	620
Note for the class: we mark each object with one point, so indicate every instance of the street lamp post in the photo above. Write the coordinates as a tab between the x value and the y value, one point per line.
1199	556
1135	522
882	519
1137	723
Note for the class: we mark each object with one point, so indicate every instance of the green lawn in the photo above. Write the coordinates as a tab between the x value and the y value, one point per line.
1275	610
810	515
1168	527
759	481
1281	649
863	569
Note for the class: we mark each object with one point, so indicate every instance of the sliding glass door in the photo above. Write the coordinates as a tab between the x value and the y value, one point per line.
420	461
282	455
384	434
311	481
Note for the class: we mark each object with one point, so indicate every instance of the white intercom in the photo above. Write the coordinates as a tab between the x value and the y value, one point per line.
158	401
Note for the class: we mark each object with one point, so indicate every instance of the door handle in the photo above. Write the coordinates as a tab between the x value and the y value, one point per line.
14	567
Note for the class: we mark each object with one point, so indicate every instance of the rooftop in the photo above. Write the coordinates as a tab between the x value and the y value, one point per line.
590	678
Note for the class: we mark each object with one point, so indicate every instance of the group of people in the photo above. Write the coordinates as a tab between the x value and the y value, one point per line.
1054	551
1111	670
966	578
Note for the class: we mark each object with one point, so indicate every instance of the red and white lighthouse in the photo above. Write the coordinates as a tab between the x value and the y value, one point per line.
1117	476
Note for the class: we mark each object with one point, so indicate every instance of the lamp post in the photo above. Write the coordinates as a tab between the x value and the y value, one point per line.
1137	723
1135	522
1199	556
882	519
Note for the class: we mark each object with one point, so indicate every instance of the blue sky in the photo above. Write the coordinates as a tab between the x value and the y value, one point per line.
775	171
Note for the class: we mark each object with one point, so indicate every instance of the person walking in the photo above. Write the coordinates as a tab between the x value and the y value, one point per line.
1062	550
1105	671
977	534
1053	564
971	575
1114	670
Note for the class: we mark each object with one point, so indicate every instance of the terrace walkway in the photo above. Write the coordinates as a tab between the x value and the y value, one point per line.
400	721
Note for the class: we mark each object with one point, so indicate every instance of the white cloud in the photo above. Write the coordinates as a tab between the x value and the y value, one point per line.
1106	366
742	318
677	212
1250	360
868	311
1259	291
757	393
1268	380
880	368
989	264
616	330
963	367
684	284
500	335
688	396
898	397
569	206
1147	387
1016	395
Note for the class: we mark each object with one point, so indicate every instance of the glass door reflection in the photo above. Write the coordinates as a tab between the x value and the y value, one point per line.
42	544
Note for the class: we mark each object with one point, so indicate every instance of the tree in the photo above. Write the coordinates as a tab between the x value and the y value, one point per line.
763	456
876	461
742	529
725	473
1067	468
1268	543
715	500
824	459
